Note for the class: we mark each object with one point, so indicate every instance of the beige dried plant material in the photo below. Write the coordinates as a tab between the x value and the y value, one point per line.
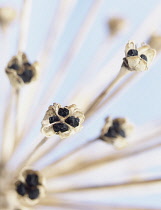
30	187
116	131
8	195
63	121
116	24
155	42
20	71
138	59
7	15
9	201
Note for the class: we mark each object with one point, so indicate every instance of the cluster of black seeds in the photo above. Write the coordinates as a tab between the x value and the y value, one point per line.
62	127
134	52
26	71
30	187
115	130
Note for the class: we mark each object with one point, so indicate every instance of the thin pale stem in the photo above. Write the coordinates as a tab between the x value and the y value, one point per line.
63	204
8	151
5	141
81	147
24	24
5	45
140	183
117	90
103	94
26	162
16	129
89	165
4	49
51	148
51	201
95	62
62	13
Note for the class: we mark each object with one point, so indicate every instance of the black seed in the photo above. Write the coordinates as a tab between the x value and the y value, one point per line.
14	66
27	64
143	57
63	112
116	124
32	180
21	189
111	132
73	121
33	193
53	119
132	52
122	133
26	75
60	127
117	128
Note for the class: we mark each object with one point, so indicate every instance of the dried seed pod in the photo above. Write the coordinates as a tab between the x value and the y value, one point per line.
30	187
63	121
7	15
155	42
116	24
20	71
116	131
138	59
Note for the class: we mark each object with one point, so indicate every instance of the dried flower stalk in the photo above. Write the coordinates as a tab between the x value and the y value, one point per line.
48	170
114	186
132	151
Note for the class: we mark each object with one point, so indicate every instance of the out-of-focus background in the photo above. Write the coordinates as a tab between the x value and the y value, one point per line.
140	102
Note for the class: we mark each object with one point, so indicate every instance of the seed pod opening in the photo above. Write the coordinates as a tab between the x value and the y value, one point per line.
20	71
62	121
116	132
138	59
30	187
